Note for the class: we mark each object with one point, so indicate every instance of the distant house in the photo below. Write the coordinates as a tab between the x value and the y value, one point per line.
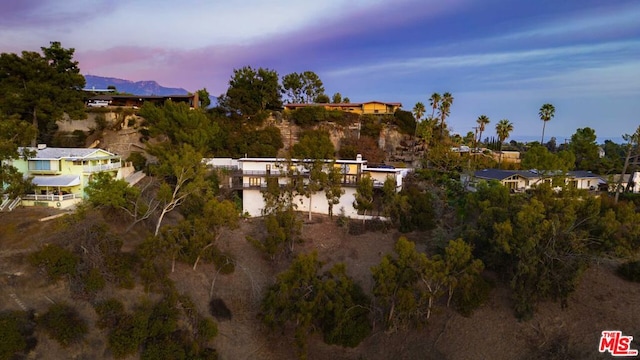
250	176
60	175
633	178
363	108
139	100
521	180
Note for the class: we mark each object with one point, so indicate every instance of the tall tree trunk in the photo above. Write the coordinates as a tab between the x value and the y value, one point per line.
624	171
34	121
544	123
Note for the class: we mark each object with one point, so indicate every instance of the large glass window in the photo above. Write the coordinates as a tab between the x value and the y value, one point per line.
40	165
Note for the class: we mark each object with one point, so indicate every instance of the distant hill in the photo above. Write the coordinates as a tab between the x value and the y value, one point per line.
130	87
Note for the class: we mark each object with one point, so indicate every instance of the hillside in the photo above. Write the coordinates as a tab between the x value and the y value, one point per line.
132	87
602	301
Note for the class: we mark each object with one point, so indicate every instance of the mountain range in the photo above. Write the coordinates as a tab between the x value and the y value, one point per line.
149	87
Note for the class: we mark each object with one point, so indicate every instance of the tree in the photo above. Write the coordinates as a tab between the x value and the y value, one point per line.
182	172
104	191
180	125
322	99
16	332
13	134
42	87
303	87
292	87
546	113
333	186
583	145
434	101
336	98
314	144
504	127
308	301
204	98
364	196
64	324
482	121
418	111
251	92
445	110
461	268
633	144
217	216
539	158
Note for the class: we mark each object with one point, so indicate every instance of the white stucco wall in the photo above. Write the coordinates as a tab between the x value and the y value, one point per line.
253	203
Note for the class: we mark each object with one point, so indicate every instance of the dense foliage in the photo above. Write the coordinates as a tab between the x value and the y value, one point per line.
306	299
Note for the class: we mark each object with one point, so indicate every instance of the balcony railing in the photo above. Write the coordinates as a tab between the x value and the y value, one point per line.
51	197
101	167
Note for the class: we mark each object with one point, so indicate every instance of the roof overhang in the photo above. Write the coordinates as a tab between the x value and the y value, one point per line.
56	180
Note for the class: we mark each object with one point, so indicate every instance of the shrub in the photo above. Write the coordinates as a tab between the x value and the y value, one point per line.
56	261
629	271
93	281
472	296
138	160
63	323
16	334
109	312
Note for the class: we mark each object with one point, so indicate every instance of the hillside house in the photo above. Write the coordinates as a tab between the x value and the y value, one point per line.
249	175
363	108
60	175
521	180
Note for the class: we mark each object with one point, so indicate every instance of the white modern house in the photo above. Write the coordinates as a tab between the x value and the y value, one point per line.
250	176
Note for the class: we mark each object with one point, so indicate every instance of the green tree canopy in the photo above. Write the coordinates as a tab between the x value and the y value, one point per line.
251	92
180	125
41	88
583	145
314	144
307	300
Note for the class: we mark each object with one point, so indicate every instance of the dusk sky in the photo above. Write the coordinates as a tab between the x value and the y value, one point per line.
501	58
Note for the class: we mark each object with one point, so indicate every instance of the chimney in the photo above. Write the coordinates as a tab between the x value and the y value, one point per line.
359	157
42	146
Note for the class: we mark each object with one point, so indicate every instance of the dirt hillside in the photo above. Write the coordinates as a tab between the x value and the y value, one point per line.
602	302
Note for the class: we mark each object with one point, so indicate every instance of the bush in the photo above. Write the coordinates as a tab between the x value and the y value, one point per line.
16	334
472	296
63	323
138	160
56	260
93	282
109	312
629	271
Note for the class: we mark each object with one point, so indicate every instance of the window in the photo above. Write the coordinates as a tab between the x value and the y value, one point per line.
255	181
40	165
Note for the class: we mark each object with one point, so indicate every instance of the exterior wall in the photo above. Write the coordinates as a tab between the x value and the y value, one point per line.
378	108
253	203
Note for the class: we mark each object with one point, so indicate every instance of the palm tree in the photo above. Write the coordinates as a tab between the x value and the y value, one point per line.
434	101
445	109
504	127
418	111
547	111
482	121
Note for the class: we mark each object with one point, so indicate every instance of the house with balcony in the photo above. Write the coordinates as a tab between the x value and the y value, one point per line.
521	180
249	176
60	175
363	108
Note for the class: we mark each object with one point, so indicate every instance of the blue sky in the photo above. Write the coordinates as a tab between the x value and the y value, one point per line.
501	58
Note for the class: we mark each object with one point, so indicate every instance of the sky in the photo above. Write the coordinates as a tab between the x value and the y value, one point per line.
500	58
